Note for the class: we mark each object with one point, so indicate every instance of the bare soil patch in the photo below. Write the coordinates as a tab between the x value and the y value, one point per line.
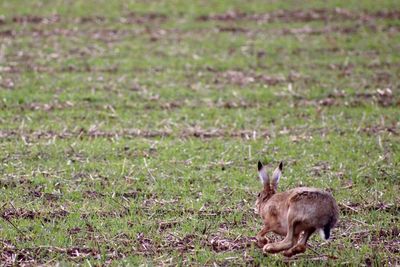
129	18
303	15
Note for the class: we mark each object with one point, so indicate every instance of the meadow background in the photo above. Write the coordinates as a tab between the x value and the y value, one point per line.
130	130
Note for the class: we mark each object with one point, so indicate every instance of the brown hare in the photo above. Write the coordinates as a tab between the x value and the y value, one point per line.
299	210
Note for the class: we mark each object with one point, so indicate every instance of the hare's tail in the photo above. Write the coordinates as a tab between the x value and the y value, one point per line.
325	232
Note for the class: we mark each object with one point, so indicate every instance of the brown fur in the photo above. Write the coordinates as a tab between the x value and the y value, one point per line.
291	213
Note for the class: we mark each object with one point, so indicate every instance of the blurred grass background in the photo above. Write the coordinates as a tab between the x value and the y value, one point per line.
130	130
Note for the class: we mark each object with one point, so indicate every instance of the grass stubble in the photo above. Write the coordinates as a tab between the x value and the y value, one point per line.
130	132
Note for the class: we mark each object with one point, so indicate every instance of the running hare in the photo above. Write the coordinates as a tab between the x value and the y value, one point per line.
299	210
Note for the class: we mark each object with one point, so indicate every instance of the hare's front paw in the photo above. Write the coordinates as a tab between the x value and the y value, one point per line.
268	248
271	248
295	250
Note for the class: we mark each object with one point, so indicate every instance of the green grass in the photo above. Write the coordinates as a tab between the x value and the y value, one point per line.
130	131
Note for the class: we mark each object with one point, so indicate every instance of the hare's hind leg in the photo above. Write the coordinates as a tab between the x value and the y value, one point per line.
301	246
285	244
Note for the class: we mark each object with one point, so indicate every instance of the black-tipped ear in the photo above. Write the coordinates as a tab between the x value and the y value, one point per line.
276	176
259	165
262	173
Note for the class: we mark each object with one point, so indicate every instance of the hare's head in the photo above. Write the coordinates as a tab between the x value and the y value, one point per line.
270	185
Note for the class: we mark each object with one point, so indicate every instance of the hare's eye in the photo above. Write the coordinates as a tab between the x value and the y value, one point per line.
259	194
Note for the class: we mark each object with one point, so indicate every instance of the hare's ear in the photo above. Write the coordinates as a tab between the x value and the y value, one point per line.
276	176
262	173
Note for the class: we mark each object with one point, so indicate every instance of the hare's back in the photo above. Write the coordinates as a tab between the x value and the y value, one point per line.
309	192
306	203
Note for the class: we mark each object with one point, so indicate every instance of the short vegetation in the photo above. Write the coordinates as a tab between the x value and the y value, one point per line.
130	131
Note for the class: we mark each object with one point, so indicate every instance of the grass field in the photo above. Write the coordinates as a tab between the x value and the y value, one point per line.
130	130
